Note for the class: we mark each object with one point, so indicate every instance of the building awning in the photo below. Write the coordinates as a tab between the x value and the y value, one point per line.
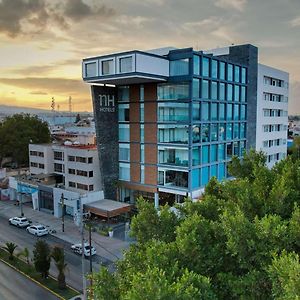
107	208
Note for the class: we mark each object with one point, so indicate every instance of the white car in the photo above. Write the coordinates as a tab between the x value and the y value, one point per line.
37	230
19	221
78	249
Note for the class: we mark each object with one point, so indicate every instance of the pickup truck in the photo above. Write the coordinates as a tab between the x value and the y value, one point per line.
76	248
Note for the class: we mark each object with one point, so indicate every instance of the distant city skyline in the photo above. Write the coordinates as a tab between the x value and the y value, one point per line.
42	42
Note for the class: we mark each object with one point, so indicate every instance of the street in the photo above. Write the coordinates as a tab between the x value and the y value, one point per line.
14	286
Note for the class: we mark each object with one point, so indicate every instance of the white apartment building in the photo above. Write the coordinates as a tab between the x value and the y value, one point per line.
272	113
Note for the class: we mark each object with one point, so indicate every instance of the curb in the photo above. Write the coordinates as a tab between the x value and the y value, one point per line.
32	279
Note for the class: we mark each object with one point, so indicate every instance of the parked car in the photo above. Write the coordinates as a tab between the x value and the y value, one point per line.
37	230
76	248
19	221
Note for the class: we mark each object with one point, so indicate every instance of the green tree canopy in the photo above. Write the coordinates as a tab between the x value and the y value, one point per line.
42	257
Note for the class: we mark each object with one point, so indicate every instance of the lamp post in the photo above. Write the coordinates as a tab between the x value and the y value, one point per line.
21	204
62	200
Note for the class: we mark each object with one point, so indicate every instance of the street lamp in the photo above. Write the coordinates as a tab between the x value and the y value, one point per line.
62	202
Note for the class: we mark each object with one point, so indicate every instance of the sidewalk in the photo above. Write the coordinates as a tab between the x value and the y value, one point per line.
109	248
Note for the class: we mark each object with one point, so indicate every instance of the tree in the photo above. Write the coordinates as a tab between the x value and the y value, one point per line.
16	132
10	248
77	118
42	257
59	258
25	254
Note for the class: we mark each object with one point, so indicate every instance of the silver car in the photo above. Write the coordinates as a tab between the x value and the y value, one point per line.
37	230
19	221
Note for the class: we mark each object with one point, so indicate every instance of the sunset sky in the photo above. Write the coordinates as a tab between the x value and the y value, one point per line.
42	42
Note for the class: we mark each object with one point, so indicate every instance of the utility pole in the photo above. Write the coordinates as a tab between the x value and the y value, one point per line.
82	247
21	204
62	199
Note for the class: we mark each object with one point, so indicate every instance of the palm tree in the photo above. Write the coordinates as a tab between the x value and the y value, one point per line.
59	258
10	248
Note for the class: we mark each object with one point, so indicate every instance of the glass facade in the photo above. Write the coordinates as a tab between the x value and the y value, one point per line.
179	67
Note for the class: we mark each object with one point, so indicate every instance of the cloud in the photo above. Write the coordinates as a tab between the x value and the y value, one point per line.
38	93
229	4
34	70
295	22
294	103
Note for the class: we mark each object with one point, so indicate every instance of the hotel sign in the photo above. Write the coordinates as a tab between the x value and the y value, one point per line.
107	103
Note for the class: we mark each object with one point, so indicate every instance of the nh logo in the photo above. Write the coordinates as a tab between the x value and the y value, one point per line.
107	100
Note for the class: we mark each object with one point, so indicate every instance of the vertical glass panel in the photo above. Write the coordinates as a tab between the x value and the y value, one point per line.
205	111
172	91
243	79
229	150
214	90
196	64
142	174
213	132
107	67
243	93
222	70
195	178
236	93
205	176
221	91
91	69
142	92
142	132
205	66
196	156
236	148
222	111
205	89
229	72
221	132
243	130
142	112
176	134
243	112
236	131
205	154
126	64
213	171
242	148
173	111
229	92
196	134
205	133
236	73
221	174
179	67
124	171
123	93
214	111
142	153
123	112
173	156
214	68
221	152
229	131
124	133
124	152
196	89
196	111
213	153
236	114
229	112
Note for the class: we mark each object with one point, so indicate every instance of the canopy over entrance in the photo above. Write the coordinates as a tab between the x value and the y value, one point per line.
107	208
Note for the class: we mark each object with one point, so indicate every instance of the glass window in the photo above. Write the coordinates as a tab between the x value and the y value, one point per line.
222	70
173	91
124	171
242	148
243	75
205	89
142	112
205	154
228	131
243	112
142	153
142	174
173	111
205	133
196	111
196	89
91	69
222	132
229	92
243	130
213	170
236	131
229	151
213	132
236	73
196	64
205	111
214	68
229	72
205	66
229	112
213	153
214	90
124	152
107	67
124	133
142	132
195	178
196	134
196	156
236	93
221	151
123	93
205	176
179	67
222	111
123	112
142	92
236	148
214	111
126	64
177	134
221	174
236	114
173	156
243	93
221	91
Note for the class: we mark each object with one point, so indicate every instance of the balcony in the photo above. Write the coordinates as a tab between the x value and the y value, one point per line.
125	68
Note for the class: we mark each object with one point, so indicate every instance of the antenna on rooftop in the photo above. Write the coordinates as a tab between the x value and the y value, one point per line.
53	109
70	104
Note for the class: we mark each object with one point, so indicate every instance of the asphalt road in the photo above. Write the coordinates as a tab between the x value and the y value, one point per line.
22	238
14	286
